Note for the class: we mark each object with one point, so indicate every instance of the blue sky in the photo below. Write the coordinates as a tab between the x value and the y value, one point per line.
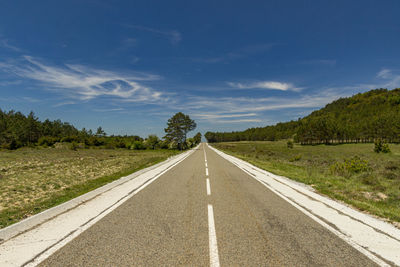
130	65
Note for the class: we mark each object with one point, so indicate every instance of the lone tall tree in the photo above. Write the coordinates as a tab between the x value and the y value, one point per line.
178	126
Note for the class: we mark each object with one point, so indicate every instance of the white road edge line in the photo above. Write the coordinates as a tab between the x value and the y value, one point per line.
208	187
214	258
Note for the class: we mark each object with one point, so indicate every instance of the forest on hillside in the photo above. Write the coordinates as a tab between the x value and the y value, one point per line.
363	117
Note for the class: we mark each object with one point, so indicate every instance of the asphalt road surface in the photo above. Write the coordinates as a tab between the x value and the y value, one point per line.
206	211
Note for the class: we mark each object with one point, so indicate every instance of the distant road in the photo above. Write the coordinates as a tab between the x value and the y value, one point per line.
206	211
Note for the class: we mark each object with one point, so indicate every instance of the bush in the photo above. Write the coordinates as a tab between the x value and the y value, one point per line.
110	145
70	139
190	143
296	158
380	146
12	145
74	146
164	144
47	141
350	166
385	148
137	145
290	144
173	145
94	141
151	142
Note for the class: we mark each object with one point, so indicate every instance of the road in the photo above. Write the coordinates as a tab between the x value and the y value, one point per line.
206	211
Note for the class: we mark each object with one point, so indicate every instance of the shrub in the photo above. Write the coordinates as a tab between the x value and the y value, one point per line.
94	141
380	146
74	146
47	141
164	144
290	144
350	166
385	148
173	145
12	145
70	139
137	145
296	158
151	142
190	142
110	145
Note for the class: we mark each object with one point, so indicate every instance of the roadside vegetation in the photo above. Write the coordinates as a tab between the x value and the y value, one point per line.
43	164
352	173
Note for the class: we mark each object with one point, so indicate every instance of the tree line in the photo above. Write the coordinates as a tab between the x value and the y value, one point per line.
364	117
19	130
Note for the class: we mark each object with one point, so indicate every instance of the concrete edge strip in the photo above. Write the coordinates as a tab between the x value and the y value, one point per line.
32	222
328	202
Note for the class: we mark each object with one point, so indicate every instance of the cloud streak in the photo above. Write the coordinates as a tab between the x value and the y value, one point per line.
237	54
219	116
6	44
270	85
392	78
173	35
85	83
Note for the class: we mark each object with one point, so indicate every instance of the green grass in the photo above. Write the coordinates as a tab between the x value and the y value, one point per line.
33	180
352	173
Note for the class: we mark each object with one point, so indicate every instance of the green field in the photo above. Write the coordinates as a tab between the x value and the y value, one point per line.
352	173
32	180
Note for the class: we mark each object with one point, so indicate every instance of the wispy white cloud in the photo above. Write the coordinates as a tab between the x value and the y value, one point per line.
237	121
219	116
174	36
8	83
108	109
272	85
226	118
134	59
85	83
236	54
64	103
6	44
252	106
391	78
31	99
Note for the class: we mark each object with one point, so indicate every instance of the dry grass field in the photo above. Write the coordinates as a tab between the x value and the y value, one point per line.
32	180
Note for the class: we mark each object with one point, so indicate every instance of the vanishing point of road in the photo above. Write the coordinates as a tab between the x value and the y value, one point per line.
205	211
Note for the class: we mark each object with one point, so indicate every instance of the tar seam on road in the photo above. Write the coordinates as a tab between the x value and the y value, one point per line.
214	259
208	187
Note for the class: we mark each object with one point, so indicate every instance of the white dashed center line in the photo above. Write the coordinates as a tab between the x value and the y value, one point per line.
214	258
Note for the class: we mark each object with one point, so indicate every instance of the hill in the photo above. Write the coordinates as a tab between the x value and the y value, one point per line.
363	117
